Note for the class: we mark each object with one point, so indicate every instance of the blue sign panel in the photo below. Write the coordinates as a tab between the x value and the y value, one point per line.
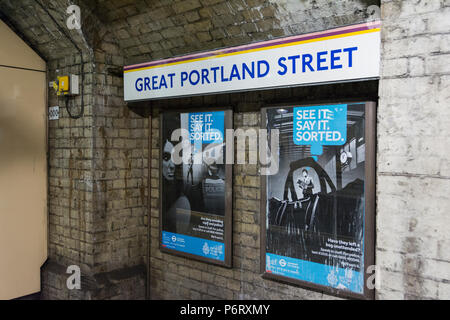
321	274
197	246
319	126
207	127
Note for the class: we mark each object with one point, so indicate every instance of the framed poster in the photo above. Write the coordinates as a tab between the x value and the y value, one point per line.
318	209
196	186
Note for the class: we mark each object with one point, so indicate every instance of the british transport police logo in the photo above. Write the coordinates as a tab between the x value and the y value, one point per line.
206	249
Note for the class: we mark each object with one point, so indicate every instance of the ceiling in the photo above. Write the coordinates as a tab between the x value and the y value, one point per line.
146	30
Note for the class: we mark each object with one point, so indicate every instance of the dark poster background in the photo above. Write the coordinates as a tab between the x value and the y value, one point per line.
321	227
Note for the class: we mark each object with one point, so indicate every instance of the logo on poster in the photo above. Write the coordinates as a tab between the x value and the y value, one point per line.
332	278
174	239
271	262
206	248
283	263
348	275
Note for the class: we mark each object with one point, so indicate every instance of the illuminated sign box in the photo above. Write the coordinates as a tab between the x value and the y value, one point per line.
343	54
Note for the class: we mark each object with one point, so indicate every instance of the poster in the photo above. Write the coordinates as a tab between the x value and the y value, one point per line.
315	204
195	215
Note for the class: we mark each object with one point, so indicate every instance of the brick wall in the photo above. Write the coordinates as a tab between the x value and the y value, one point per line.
70	171
161	29
98	164
98	185
413	165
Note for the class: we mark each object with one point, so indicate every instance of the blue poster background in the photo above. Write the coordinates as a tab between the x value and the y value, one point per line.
317	273
193	245
207	122
327	123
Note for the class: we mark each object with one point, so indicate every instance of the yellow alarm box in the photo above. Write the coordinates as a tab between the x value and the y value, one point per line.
63	86
66	85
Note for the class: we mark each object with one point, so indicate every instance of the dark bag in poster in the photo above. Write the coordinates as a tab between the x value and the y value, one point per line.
333	213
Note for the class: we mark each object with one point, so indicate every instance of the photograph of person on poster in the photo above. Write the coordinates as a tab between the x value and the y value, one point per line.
176	205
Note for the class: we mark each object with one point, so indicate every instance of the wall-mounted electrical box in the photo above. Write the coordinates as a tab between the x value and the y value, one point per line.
67	85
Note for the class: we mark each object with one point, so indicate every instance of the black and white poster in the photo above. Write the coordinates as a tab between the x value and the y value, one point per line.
315	204
194	209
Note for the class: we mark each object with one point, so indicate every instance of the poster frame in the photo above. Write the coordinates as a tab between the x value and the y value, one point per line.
228	218
369	213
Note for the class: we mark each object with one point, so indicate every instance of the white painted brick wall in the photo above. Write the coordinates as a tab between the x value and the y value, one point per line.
413	202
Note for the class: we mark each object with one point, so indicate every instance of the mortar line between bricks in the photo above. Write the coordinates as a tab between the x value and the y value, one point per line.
416	275
412	254
405	76
413	175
